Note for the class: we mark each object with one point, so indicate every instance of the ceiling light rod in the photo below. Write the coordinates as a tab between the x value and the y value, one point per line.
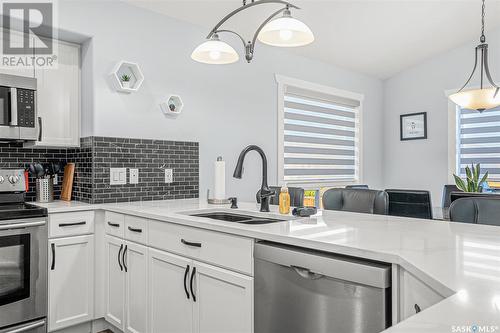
250	45
479	99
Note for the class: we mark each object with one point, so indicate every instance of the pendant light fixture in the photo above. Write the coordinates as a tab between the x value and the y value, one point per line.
483	98
284	31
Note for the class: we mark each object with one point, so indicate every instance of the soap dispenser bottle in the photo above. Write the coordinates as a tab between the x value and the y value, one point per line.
284	200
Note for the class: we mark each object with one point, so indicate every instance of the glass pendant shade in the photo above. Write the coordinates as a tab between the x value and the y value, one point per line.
215	52
477	99
286	31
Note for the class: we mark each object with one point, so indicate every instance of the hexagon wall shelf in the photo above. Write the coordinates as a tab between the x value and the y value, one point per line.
173	106
127	68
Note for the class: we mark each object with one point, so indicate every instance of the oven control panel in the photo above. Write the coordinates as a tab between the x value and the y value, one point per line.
12	180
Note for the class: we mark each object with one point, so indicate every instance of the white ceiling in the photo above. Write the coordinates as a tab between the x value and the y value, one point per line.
378	38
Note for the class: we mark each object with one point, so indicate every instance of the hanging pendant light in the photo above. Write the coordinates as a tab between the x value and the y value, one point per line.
285	31
214	51
483	98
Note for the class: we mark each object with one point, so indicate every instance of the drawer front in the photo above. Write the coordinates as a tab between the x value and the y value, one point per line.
233	252
415	295
136	229
71	224
114	224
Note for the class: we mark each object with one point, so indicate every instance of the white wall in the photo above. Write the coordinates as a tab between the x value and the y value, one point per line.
226	107
423	164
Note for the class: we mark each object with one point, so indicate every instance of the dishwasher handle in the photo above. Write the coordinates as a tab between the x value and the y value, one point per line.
306	273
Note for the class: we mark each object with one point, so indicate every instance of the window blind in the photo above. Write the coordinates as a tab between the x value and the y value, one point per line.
478	140
321	136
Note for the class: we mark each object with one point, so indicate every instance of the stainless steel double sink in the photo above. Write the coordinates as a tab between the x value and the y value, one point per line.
238	218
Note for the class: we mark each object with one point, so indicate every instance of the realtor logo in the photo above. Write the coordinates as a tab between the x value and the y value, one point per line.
37	22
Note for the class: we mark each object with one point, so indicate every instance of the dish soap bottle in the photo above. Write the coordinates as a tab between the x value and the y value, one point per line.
284	200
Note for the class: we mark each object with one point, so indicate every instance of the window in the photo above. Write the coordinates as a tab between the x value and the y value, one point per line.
318	133
477	140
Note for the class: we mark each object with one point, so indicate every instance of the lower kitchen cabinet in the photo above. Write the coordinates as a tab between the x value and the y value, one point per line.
71	281
126	285
171	308
415	295
188	296
224	301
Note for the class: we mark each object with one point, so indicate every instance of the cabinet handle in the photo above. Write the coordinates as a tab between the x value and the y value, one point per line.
191	284
134	229
417	308
72	224
186	273
119	255
123	258
185	242
53	248
39	128
116	225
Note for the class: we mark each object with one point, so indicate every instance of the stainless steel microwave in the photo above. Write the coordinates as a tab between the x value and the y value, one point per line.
18	114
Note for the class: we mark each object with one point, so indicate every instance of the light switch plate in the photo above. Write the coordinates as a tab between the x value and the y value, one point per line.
117	176
134	176
169	176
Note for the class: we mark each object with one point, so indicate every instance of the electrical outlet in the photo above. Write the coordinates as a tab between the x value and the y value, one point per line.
134	176
169	176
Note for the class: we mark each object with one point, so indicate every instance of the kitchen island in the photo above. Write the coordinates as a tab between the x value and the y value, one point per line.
458	262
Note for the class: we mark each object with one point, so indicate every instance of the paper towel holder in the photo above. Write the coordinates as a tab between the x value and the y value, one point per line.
213	201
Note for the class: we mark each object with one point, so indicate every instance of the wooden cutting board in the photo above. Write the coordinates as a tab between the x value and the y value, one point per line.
67	185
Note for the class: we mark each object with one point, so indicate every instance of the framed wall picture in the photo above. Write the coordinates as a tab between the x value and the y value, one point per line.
413	126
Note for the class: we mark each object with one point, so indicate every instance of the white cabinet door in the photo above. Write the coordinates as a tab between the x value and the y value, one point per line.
71	281
114	281
58	98
415	295
136	288
170	304
223	300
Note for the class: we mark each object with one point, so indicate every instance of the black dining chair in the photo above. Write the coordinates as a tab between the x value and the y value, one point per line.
480	210
410	203
459	195
447	191
356	200
296	196
357	186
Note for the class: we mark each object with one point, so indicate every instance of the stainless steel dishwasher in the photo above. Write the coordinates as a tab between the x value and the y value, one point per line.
303	291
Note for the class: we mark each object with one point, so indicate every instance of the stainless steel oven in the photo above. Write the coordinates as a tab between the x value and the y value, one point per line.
23	275
18	114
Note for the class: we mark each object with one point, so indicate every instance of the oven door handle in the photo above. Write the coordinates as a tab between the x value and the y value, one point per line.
21	225
13	107
27	327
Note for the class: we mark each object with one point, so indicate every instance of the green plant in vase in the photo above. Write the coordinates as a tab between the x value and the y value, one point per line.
125	79
473	182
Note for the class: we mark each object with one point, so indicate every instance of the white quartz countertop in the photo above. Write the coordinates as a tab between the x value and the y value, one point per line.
457	259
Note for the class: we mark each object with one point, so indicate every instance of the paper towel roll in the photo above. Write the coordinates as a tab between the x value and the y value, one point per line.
220	179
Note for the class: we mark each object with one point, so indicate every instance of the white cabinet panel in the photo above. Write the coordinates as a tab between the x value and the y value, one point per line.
58	98
224	301
171	308
415	295
71	281
114	282
136	288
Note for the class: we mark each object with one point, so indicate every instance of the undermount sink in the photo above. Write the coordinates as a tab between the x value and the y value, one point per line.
238	218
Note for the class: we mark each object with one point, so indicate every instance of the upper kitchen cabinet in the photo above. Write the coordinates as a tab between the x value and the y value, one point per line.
58	99
58	96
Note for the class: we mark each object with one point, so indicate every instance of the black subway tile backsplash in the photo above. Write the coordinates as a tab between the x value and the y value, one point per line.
96	155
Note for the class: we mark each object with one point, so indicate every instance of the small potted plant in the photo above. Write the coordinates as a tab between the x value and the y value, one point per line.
472	183
125	80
